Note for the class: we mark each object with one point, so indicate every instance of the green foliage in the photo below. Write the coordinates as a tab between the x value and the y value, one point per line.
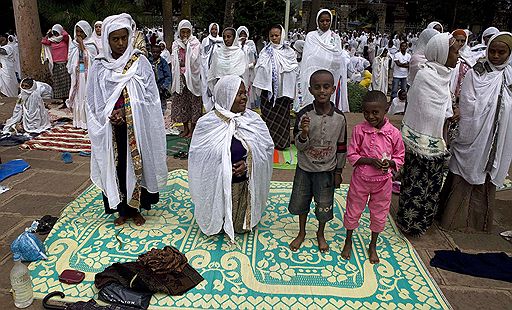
356	93
68	12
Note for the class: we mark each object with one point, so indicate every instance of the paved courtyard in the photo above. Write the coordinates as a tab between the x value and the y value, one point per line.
50	184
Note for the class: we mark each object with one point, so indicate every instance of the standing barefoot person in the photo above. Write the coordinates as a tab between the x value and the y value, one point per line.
321	139
126	126
376	149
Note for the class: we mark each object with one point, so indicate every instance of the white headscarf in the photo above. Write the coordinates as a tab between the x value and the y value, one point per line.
60	31
97	38
491	31
208	46
227	60
277	69
477	128
106	86
210	169
111	24
433	24
210	31
323	50
429	101
418	58
74	47
192	73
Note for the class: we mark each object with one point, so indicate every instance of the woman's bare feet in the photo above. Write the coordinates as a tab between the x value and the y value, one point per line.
120	220
322	244
184	133
372	253
138	219
297	242
347	249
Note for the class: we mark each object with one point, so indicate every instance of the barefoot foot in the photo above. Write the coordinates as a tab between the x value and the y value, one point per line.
139	219
297	242
347	248
372	253
120	220
322	244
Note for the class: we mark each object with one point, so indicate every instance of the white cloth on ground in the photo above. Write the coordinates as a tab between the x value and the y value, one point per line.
103	93
210	169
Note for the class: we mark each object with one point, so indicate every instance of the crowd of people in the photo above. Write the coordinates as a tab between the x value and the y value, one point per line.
117	80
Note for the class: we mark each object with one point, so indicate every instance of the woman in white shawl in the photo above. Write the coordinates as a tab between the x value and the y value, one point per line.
251	55
418	58
229	59
380	70
126	126
186	79
323	50
208	46
82	51
276	79
30	109
481	152
166	55
11	41
479	50
96	36
230	163
8	80
429	106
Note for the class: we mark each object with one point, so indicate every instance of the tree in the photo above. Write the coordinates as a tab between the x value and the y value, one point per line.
186	9
28	29
315	7
229	13
167	20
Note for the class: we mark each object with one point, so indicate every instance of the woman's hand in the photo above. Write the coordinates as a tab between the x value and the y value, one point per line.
337	179
239	168
117	117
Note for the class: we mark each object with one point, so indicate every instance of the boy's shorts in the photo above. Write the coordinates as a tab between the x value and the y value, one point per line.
317	185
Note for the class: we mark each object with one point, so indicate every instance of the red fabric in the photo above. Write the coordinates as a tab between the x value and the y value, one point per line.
59	50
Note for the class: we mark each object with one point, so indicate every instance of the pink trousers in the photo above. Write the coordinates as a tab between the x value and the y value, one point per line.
379	203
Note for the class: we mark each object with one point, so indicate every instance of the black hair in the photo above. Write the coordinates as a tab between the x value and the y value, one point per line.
29	81
375	96
319	72
276	26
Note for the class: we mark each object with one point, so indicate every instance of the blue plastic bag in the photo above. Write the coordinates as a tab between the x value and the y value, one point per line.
27	247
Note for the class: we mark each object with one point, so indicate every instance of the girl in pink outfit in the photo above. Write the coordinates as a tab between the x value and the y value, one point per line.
376	149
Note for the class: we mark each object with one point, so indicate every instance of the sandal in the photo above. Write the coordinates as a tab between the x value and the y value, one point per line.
180	154
46	224
507	235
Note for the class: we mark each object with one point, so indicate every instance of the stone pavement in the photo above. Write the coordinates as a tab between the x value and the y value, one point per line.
50	184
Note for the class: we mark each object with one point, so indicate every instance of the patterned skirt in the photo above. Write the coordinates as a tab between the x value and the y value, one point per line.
277	118
61	81
422	179
185	107
241	199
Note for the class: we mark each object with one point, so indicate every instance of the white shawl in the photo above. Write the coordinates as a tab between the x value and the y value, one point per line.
429	101
209	161
323	50
286	69
227	60
166	55
433	24
30	108
380	69
8	80
192	62
103	92
208	46
418	58
97	38
73	66
478	107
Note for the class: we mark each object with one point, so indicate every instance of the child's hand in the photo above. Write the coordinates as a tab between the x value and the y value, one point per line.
304	126
337	179
377	163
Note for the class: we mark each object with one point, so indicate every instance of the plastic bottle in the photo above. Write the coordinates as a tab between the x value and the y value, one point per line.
23	292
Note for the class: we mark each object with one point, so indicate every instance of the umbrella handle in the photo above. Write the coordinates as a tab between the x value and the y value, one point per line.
49	296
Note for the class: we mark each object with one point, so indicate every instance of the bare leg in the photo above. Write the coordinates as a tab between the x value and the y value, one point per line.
138	219
297	242
322	244
347	248
372	249
192	127
186	131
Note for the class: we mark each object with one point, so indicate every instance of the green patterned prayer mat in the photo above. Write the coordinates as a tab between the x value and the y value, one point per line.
506	185
176	144
258	271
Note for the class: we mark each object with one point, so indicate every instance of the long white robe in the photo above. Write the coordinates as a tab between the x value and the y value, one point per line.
208	46
380	71
30	109
8	81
